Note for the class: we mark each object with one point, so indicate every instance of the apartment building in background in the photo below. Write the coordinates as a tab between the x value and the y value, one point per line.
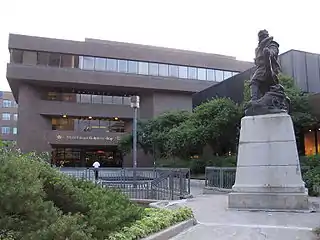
8	117
74	96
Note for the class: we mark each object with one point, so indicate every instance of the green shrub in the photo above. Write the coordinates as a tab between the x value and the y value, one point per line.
153	220
312	180
39	202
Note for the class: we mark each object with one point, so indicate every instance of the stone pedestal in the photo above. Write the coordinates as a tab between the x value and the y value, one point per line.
268	173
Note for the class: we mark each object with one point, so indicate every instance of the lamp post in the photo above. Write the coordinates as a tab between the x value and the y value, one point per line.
135	104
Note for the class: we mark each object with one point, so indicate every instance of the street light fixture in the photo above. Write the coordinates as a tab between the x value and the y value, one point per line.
135	104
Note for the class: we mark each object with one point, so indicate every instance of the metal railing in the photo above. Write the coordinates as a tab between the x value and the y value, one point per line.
148	183
220	177
223	178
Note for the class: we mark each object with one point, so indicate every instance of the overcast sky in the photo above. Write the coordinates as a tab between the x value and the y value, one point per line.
217	26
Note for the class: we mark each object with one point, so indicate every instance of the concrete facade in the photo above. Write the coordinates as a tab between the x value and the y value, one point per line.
72	82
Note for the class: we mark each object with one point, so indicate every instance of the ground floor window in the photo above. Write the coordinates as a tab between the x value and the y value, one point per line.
86	156
312	142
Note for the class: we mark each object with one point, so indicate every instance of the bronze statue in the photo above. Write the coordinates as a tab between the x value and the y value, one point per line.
267	94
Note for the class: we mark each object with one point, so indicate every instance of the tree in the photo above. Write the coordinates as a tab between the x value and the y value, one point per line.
153	134
214	123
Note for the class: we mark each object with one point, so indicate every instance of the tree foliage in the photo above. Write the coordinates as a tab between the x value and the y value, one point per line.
153	134
214	123
300	109
182	133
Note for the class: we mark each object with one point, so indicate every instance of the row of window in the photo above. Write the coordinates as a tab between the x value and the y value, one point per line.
87	98
87	125
9	130
118	65
9	104
7	116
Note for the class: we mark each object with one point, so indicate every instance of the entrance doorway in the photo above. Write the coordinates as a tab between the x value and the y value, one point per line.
108	156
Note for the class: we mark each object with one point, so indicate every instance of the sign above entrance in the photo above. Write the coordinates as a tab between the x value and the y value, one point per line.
93	138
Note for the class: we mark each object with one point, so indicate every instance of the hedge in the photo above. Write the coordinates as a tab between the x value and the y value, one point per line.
154	220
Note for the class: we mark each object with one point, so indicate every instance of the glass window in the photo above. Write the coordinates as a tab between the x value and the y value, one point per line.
100	64
54	59
88	63
14	130
123	66
173	71
227	74
15	105
84	125
107	99
6	116
116	126
81	62
97	99
210	75
163	70
6	103
234	73
52	96
85	98
5	130
117	100
112	65
126	100
219	75
68	97
133	67
143	68
103	123
43	58
183	72
69	61
192	72
94	124
15	116
62	124
202	74
76	62
16	56
154	69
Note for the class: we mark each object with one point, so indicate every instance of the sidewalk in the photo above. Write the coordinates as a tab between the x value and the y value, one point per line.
216	222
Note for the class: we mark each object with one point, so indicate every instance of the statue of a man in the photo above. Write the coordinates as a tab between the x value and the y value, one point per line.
267	66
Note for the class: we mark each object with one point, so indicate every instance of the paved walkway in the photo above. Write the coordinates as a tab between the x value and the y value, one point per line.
216	222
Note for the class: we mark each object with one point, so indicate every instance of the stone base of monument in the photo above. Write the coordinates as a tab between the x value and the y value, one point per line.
268	173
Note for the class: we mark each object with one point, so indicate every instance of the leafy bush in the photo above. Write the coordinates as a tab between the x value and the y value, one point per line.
312	180
153	220
310	167
39	202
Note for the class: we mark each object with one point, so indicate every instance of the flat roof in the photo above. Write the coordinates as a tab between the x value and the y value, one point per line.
128	51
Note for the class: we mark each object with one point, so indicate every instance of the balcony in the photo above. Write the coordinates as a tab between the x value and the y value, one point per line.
55	137
53	108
